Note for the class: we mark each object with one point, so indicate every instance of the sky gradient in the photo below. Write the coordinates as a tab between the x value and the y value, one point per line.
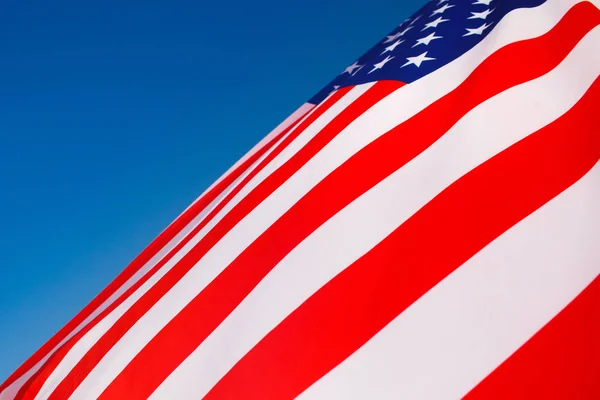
115	115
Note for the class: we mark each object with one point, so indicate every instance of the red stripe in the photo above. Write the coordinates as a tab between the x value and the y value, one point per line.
562	361
34	384
351	308
255	197
196	321
153	248
201	316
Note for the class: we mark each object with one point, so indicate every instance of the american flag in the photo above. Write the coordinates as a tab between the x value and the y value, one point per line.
426	227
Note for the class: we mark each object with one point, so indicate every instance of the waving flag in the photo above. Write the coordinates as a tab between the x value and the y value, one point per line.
426	227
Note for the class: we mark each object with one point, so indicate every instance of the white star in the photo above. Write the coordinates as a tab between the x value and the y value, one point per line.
485	2
335	87
481	15
442	9
391	38
418	60
434	24
477	31
406	30
393	46
352	69
427	39
442	1
380	65
417	18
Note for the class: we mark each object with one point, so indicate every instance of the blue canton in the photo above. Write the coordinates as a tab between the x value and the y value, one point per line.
438	33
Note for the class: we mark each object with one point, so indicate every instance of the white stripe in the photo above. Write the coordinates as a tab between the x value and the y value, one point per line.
448	341
334	154
487	130
11	390
88	340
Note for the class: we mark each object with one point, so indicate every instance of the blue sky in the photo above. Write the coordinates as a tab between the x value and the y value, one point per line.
115	115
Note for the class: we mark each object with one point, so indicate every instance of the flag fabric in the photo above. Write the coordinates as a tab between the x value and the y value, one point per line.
426	227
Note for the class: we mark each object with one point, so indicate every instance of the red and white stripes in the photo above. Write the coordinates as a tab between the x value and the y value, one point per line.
432	240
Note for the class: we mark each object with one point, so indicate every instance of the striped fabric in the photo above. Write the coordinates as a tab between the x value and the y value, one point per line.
429	237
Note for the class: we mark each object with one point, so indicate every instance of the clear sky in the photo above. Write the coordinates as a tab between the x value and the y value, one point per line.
115	115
